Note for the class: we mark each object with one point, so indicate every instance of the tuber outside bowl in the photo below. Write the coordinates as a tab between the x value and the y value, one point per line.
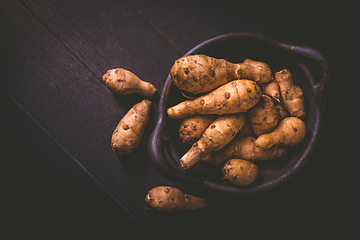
310	72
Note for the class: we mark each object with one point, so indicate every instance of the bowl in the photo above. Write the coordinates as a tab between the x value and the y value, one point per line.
310	71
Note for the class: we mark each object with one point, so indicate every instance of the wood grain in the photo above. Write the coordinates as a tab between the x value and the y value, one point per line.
45	186
189	23
106	35
72	105
53	102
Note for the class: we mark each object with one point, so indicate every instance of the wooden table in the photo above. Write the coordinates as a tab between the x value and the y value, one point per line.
58	172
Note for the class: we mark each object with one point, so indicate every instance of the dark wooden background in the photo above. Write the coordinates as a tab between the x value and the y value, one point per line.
58	174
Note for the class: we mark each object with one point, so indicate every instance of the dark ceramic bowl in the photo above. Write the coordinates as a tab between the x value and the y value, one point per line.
310	72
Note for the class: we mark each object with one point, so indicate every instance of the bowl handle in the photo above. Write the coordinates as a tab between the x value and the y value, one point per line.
156	150
323	88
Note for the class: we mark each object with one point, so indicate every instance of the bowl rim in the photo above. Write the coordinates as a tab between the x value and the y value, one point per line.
159	139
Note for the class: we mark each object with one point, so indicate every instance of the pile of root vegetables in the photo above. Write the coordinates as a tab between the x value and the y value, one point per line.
243	114
239	113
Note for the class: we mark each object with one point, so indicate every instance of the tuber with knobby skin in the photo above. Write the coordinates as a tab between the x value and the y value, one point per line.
240	172
169	200
127	135
291	94
290	132
283	113
192	128
233	97
200	73
263	116
244	148
215	137
246	130
271	89
124	82
255	70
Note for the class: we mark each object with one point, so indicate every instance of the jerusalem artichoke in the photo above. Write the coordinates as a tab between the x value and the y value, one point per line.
291	94
290	132
283	113
255	70
246	130
271	89
263	116
243	148
127	135
200	73
240	172
169	199
124	82
192	128
216	136
233	97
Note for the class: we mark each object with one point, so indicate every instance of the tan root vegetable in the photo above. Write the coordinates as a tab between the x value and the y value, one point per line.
291	94
233	97
192	128
283	113
200	73
255	70
290	132
124	82
127	135
244	148
240	172
271	89
170	199
263	116
215	137
246	130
